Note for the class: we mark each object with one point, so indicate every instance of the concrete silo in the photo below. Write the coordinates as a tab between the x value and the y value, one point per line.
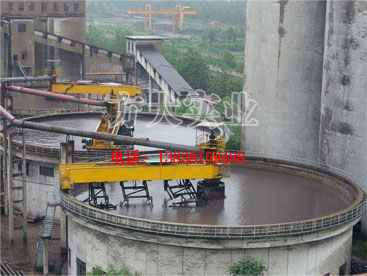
283	73
343	129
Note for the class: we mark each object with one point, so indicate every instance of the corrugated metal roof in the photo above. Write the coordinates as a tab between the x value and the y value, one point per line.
166	70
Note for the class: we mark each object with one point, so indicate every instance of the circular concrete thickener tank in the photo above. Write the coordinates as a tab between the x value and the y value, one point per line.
343	136
315	239
283	74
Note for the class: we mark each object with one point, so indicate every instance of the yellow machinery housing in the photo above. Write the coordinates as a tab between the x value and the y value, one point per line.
97	88
113	121
77	173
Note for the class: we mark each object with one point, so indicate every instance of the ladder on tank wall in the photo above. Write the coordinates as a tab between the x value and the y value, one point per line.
15	186
41	261
45	236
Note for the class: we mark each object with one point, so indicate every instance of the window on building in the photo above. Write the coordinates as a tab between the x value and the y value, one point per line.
44	7
56	7
26	168
10	6
24	55
80	267
21	7
46	171
76	7
22	28
15	57
343	269
31	6
66	7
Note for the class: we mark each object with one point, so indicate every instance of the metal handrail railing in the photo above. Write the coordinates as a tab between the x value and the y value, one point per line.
50	151
362	184
211	231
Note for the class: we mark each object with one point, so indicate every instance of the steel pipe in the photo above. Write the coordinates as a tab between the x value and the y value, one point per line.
26	79
98	135
54	95
105	74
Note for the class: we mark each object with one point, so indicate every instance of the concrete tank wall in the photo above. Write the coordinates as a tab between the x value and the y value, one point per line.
40	188
343	130
283	73
95	244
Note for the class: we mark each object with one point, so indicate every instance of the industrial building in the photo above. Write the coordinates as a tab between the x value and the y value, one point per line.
292	204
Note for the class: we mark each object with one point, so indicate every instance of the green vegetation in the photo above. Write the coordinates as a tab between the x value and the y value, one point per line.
111	271
234	142
191	66
216	45
359	248
217	31
247	266
110	37
194	69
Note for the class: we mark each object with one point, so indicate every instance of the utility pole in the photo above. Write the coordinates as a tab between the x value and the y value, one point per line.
66	156
10	188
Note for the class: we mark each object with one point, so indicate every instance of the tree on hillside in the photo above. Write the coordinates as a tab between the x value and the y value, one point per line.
230	34
115	42
96	37
209	35
193	68
229	60
119	41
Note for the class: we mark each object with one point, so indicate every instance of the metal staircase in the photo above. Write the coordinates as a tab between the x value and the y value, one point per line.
45	233
21	69
39	254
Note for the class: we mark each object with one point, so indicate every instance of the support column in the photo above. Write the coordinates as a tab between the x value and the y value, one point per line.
82	60
150	93
10	188
24	179
136	72
66	156
5	149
